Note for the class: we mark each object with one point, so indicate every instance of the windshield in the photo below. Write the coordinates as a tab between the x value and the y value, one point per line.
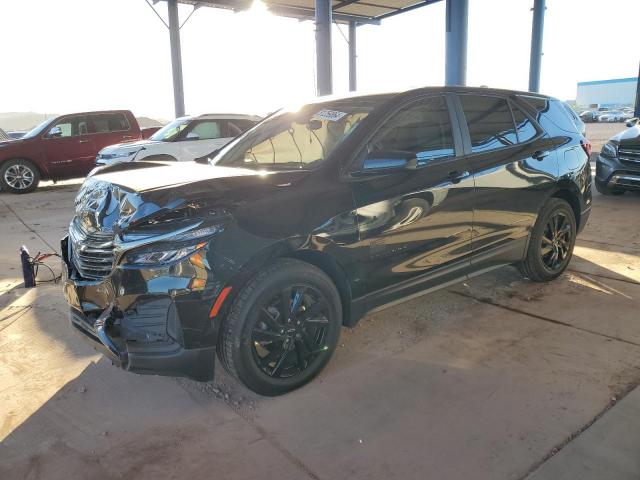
35	131
298	139
171	130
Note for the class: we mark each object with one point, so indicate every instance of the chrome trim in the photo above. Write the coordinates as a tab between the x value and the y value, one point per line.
624	180
629	155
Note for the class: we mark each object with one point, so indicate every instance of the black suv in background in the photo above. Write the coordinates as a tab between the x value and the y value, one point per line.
313	218
618	165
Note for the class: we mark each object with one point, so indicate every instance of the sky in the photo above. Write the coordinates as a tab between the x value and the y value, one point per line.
79	55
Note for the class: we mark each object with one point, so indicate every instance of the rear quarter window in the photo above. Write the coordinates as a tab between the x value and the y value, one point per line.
109	122
552	114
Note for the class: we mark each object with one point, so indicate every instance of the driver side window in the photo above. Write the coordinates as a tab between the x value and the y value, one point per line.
422	129
69	127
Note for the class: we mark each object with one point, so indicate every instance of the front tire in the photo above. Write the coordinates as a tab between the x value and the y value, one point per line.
282	328
551	243
19	176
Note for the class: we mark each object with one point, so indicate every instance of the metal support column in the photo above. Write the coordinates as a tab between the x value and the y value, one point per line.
457	19
637	109
176	57
323	47
353	80
537	29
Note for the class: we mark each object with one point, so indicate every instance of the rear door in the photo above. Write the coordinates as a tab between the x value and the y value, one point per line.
111	128
514	168
68	147
417	222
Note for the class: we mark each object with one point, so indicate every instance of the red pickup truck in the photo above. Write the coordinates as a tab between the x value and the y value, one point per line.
64	147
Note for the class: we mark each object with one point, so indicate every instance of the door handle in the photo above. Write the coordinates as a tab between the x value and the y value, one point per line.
540	154
457	176
84	141
124	137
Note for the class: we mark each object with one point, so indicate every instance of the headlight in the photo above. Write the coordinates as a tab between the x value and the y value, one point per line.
164	252
161	257
609	149
199	233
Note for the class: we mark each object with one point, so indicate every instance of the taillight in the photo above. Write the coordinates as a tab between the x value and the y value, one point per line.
586	146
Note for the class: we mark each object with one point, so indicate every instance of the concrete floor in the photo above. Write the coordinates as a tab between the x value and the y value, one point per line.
499	378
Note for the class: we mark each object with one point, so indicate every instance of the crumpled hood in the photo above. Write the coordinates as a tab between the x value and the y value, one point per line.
632	134
143	176
125	194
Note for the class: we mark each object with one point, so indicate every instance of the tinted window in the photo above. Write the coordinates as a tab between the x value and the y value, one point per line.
552	114
72	126
232	128
423	129
207	130
524	126
109	122
243	125
489	121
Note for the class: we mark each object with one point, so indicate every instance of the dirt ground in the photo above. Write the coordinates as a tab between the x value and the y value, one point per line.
490	379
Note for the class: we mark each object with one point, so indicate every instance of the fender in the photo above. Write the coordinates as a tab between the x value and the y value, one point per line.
310	249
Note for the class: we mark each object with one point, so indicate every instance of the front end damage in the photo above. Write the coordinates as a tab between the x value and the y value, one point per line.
138	281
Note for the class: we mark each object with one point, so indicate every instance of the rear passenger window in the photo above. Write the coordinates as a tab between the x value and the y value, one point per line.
489	121
109	122
423	129
232	129
242	124
524	126
552	114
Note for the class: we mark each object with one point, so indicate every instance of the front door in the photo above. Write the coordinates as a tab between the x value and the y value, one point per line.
200	139
68	147
417	221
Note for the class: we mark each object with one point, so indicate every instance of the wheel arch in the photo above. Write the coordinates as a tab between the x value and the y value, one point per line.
297	249
44	174
572	197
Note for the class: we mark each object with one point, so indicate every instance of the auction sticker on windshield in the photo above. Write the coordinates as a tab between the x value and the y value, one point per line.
331	115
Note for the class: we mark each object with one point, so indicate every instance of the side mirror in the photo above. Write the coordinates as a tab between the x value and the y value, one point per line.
54	132
192	136
389	161
632	122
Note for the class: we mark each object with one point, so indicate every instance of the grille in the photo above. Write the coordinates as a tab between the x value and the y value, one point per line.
92	253
630	154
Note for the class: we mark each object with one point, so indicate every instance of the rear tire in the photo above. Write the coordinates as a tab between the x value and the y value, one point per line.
282	328
551	243
604	190
19	176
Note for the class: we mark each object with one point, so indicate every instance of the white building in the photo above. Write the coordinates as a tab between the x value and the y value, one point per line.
614	92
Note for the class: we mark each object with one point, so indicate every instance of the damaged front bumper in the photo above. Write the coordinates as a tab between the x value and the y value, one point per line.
148	320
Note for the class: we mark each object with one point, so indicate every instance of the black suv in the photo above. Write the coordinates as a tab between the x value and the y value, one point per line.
315	217
618	165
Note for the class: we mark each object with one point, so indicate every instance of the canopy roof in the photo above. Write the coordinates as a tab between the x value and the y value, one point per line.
360	11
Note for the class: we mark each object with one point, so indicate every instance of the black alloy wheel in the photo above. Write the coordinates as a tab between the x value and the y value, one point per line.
282	328
556	241
551	243
291	331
